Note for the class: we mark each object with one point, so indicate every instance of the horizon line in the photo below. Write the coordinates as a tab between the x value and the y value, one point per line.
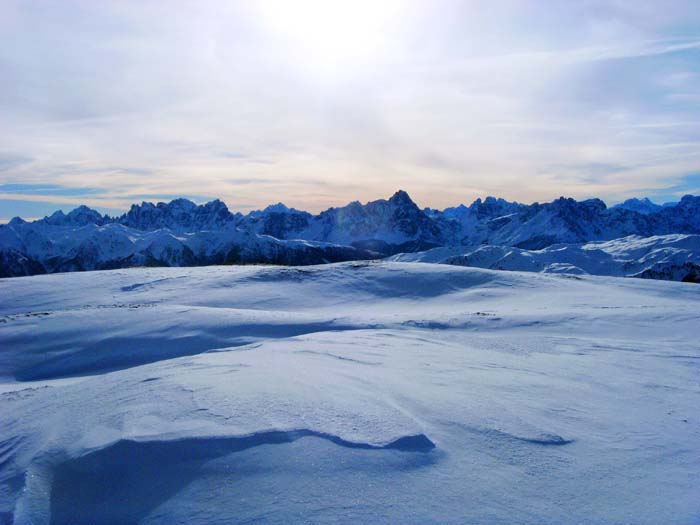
198	202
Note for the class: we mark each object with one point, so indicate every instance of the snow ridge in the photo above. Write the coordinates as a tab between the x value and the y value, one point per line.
313	394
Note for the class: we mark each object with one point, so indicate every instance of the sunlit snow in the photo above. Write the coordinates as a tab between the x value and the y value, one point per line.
375	392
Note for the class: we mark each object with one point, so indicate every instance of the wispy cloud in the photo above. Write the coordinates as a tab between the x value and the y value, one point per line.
49	190
524	99
10	161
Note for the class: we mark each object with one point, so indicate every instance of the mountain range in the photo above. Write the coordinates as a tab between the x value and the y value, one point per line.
182	233
673	257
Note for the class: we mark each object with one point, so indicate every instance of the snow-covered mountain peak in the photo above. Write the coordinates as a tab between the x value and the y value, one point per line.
689	201
644	205
567	203
177	215
182	203
277	208
401	198
83	215
56	218
80	216
489	208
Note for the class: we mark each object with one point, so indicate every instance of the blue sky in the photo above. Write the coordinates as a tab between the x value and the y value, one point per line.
316	103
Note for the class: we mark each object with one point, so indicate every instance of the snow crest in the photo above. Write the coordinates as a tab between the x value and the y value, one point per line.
352	392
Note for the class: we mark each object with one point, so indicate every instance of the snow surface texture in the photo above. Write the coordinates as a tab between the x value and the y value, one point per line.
377	392
668	257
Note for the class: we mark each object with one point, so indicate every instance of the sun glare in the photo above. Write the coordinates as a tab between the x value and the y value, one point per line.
331	35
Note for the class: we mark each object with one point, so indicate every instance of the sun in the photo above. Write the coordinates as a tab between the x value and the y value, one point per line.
333	34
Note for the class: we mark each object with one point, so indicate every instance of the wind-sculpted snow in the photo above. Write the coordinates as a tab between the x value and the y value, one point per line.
93	488
141	316
378	392
668	257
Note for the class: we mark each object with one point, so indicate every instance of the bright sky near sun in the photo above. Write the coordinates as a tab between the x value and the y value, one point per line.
316	103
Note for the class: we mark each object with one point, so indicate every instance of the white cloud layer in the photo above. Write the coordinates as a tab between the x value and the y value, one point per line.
449	100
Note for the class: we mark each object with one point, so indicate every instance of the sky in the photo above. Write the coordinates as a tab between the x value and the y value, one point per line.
317	103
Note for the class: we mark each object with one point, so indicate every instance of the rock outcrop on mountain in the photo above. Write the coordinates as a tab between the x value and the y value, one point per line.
182	233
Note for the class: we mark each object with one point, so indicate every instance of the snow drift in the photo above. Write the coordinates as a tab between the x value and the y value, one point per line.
344	393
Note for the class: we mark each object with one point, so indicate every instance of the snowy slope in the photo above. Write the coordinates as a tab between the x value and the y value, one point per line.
31	248
354	392
669	257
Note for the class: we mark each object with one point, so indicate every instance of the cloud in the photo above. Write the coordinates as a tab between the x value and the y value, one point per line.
49	190
517	98
9	161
